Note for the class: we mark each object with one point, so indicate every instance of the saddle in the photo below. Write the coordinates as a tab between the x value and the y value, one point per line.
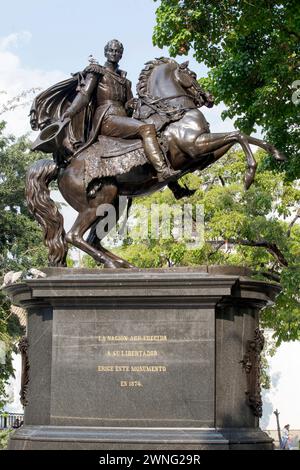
108	157
115	146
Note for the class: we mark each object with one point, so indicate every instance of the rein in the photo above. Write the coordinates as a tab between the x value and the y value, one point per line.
170	98
159	110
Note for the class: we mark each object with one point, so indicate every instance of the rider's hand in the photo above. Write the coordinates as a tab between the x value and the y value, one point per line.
131	104
210	100
65	115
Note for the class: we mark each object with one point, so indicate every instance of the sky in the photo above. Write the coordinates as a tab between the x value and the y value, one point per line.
41	43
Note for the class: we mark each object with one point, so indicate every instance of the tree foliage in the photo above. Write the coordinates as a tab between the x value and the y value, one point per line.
252	50
21	244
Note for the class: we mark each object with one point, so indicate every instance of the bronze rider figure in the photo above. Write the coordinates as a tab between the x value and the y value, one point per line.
113	105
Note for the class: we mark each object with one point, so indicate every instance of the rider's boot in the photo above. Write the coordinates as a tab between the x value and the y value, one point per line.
155	155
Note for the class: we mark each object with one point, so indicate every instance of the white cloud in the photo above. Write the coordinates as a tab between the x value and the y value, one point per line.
15	78
14	39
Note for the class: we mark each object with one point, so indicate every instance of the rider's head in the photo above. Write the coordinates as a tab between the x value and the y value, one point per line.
113	51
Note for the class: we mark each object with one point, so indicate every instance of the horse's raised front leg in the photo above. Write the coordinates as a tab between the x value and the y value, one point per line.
268	147
221	151
208	143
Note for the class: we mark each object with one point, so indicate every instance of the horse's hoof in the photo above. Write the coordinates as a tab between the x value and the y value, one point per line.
111	265
248	181
183	192
126	265
247	185
279	156
118	265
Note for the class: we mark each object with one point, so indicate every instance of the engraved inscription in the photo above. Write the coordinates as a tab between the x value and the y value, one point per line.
122	353
141	367
108	368
132	354
130	383
133	338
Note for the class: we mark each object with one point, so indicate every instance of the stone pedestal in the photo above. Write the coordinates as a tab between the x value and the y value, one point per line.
143	359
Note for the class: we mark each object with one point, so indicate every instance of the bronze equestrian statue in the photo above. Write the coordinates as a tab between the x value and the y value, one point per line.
105	143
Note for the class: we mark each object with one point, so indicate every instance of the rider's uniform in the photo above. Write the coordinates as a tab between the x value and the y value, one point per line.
112	90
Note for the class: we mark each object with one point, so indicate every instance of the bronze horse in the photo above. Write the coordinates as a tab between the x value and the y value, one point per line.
169	96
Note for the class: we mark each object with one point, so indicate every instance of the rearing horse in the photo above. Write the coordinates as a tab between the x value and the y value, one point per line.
169	97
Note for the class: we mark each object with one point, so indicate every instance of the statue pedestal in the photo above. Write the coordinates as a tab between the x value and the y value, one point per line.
143	359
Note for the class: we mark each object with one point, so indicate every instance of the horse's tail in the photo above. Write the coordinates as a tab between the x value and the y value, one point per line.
41	206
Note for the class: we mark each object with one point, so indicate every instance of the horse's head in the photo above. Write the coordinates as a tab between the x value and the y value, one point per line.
188	80
165	86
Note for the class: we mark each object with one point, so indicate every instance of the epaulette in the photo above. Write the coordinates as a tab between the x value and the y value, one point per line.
123	73
94	68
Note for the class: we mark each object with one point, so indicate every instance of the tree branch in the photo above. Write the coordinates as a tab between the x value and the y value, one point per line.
218	246
270	247
297	216
222	180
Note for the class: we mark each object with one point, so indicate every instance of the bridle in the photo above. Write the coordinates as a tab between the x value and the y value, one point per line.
160	105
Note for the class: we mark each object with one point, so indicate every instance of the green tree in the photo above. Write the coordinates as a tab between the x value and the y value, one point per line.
252	50
21	244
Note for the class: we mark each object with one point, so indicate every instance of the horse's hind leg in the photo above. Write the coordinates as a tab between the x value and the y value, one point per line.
117	260
85	219
95	242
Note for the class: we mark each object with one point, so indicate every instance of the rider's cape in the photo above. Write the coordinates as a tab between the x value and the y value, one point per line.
49	106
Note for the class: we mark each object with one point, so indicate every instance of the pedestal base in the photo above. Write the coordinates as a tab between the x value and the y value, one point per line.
142	359
95	438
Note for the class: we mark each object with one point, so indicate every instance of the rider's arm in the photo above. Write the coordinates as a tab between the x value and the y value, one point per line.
83	96
128	90
130	101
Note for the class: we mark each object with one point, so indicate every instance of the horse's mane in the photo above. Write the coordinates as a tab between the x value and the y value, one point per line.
144	76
